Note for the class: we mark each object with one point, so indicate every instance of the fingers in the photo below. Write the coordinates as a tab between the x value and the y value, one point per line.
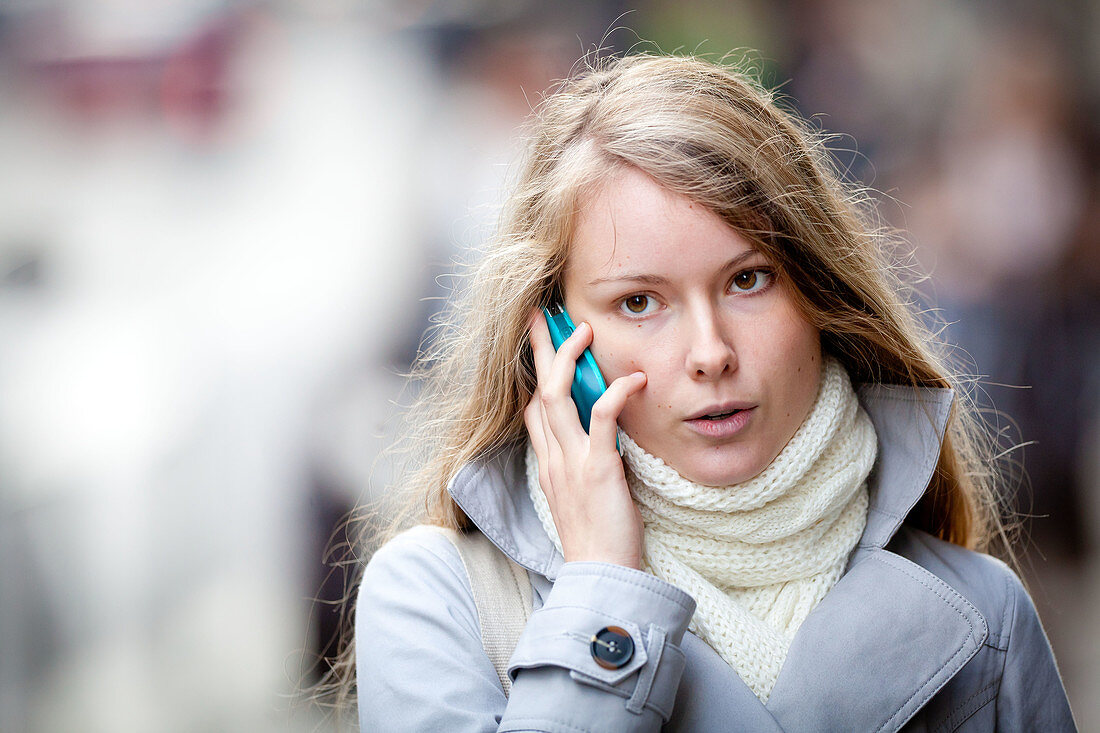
533	419
582	476
605	413
542	348
557	419
555	372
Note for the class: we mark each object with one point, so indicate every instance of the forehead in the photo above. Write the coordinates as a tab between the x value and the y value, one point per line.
633	225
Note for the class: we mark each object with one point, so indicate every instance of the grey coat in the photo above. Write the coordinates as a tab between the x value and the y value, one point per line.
918	635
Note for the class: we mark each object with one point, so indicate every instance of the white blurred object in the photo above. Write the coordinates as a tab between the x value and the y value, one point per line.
155	391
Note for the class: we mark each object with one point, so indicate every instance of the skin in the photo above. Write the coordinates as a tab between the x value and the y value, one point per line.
684	317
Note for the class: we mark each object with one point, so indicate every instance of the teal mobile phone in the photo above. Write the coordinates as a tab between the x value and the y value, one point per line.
588	382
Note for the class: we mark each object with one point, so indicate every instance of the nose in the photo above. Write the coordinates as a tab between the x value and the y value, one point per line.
710	352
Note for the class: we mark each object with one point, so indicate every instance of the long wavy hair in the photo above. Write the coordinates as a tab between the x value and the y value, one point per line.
710	132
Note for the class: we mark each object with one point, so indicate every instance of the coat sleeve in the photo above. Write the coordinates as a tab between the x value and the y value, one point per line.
421	665
1032	696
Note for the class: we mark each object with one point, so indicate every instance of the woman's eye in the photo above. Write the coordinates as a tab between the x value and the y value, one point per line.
751	280
637	304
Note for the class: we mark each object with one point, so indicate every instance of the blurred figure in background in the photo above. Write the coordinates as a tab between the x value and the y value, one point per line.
1000	203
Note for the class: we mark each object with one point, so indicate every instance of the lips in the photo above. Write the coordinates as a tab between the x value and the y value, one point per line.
720	412
718	416
721	422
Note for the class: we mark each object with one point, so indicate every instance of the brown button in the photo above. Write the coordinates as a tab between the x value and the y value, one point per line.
612	647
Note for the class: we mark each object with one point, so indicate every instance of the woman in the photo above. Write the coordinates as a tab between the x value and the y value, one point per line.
775	548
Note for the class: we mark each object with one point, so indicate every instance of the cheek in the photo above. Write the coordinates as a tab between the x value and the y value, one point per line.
619	353
786	354
645	415
618	356
800	362
795	340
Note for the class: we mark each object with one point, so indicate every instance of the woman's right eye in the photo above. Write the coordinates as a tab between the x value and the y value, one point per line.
637	305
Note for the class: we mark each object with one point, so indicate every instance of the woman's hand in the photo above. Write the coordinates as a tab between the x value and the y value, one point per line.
582	473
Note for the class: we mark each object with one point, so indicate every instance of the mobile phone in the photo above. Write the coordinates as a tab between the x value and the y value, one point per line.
588	382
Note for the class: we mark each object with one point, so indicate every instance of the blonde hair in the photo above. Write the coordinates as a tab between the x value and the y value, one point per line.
711	133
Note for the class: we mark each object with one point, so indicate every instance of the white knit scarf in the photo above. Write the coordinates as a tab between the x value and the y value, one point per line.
760	555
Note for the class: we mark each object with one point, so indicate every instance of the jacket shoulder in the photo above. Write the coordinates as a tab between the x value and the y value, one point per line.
419	566
414	577
988	583
421	543
420	661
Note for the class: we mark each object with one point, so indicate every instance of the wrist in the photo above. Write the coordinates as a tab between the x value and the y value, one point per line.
631	560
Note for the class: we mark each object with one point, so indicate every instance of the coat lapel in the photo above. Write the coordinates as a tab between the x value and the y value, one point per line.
889	634
910	425
883	641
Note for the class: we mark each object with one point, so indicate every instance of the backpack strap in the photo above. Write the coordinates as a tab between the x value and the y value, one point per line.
502	594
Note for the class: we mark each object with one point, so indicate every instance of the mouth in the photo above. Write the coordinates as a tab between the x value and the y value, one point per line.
721	422
717	415
720	412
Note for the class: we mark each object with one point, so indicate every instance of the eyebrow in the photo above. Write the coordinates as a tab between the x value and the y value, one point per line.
650	279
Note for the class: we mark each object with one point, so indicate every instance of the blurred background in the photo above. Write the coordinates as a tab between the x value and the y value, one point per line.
224	226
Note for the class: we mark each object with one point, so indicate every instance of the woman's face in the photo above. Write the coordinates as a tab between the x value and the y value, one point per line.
669	289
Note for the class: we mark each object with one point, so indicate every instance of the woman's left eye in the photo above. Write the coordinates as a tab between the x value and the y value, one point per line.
638	305
750	281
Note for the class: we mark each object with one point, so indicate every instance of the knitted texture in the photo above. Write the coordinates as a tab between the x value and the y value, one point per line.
760	555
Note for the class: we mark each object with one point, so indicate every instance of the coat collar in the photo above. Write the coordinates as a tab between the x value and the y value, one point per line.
884	640
909	423
881	643
890	634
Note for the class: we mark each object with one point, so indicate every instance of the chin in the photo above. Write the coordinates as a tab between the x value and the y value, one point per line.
718	469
